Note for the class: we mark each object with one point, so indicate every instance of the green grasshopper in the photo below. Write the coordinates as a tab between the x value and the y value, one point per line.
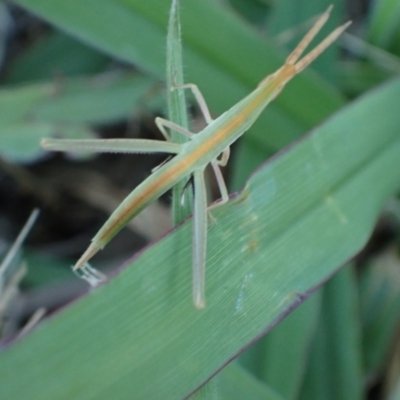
210	146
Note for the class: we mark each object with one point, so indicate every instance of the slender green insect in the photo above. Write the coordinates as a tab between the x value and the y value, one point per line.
210	146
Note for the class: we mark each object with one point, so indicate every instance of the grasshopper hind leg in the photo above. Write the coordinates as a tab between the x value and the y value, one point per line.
162	124
199	239
200	100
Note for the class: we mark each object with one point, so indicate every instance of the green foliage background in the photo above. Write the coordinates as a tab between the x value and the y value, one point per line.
300	217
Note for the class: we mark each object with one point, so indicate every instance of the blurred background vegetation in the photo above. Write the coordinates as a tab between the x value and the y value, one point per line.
68	73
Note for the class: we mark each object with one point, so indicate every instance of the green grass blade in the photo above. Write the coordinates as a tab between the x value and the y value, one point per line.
31	112
271	247
235	383
16	104
253	10
284	351
384	22
51	57
177	111
20	142
209	391
380	305
335	368
99	99
360	76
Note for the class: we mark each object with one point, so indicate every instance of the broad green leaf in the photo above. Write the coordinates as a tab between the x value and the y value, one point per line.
299	218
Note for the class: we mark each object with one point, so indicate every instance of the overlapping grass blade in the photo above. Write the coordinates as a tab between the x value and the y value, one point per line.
335	366
177	110
31	112
281	357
